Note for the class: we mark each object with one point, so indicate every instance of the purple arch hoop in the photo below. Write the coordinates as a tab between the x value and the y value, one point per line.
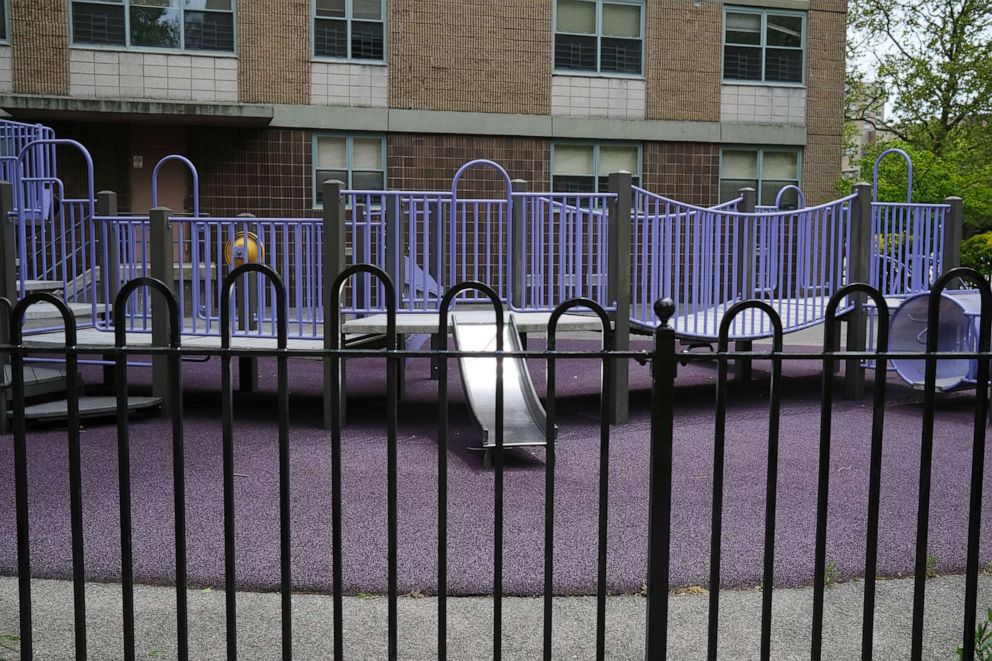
909	174
481	161
192	170
802	196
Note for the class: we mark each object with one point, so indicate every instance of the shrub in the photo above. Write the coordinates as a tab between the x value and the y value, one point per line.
976	252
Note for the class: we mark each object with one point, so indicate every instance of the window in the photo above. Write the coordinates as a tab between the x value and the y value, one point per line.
349	29
585	168
763	46
205	25
765	170
599	36
3	20
358	161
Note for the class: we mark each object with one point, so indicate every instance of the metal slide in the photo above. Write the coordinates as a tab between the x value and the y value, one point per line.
524	418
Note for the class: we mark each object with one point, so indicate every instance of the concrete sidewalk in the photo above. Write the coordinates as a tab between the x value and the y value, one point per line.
470	623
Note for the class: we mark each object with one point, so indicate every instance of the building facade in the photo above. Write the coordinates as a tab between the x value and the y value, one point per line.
268	97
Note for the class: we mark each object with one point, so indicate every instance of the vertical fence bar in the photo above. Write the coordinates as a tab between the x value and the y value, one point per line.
162	269
247	365
859	255
8	283
618	269
21	500
333	257
663	367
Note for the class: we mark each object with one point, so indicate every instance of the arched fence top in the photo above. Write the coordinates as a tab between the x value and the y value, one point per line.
193	172
227	290
449	299
20	309
830	316
483	162
584	303
985	295
387	283
171	303
723	338
909	173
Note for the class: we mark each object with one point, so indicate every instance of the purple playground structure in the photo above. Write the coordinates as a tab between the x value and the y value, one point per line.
623	250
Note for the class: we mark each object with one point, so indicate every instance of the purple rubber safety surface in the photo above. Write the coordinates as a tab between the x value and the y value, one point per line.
471	485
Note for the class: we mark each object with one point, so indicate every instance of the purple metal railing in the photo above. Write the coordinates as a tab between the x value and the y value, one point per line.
567	239
708	259
908	246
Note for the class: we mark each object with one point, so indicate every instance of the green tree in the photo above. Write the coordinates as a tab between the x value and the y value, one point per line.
934	178
932	61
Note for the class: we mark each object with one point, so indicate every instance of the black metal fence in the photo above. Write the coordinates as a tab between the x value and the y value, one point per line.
664	358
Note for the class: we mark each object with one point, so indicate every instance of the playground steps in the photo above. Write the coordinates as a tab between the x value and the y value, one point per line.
32	286
45	388
45	315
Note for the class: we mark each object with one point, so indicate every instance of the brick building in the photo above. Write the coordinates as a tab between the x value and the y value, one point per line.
697	98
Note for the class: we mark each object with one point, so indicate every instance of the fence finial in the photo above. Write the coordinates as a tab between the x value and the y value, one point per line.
665	309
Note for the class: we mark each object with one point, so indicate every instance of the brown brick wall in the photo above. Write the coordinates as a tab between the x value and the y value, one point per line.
274	48
470	55
108	145
40	46
266	172
824	99
684	60
684	171
428	162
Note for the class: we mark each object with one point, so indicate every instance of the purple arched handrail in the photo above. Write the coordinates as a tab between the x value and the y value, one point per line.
909	174
481	161
21	221
778	198
192	170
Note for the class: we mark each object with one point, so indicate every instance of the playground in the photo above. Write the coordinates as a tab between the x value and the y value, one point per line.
447	393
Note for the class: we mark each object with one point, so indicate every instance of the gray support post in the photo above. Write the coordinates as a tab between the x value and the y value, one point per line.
953	233
745	277
8	289
859	270
518	247
162	268
618	288
247	365
109	282
333	257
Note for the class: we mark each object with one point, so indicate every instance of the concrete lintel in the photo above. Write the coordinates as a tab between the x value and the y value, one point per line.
762	134
479	123
337	118
641	130
25	106
800	5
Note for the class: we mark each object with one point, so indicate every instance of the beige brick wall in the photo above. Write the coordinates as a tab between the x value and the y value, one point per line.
274	49
40	46
826	22
684	60
470	55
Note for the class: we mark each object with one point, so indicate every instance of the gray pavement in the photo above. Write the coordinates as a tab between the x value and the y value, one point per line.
470	623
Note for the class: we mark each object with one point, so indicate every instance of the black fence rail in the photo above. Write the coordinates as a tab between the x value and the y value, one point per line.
664	358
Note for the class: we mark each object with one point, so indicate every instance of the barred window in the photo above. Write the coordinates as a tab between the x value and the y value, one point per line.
357	160
349	29
767	170
763	46
3	20
585	167
202	25
599	36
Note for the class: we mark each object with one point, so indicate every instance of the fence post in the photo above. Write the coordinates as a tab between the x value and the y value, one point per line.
663	368
393	233
333	257
953	233
859	252
247	365
618	287
518	248
161	266
107	264
745	276
8	287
